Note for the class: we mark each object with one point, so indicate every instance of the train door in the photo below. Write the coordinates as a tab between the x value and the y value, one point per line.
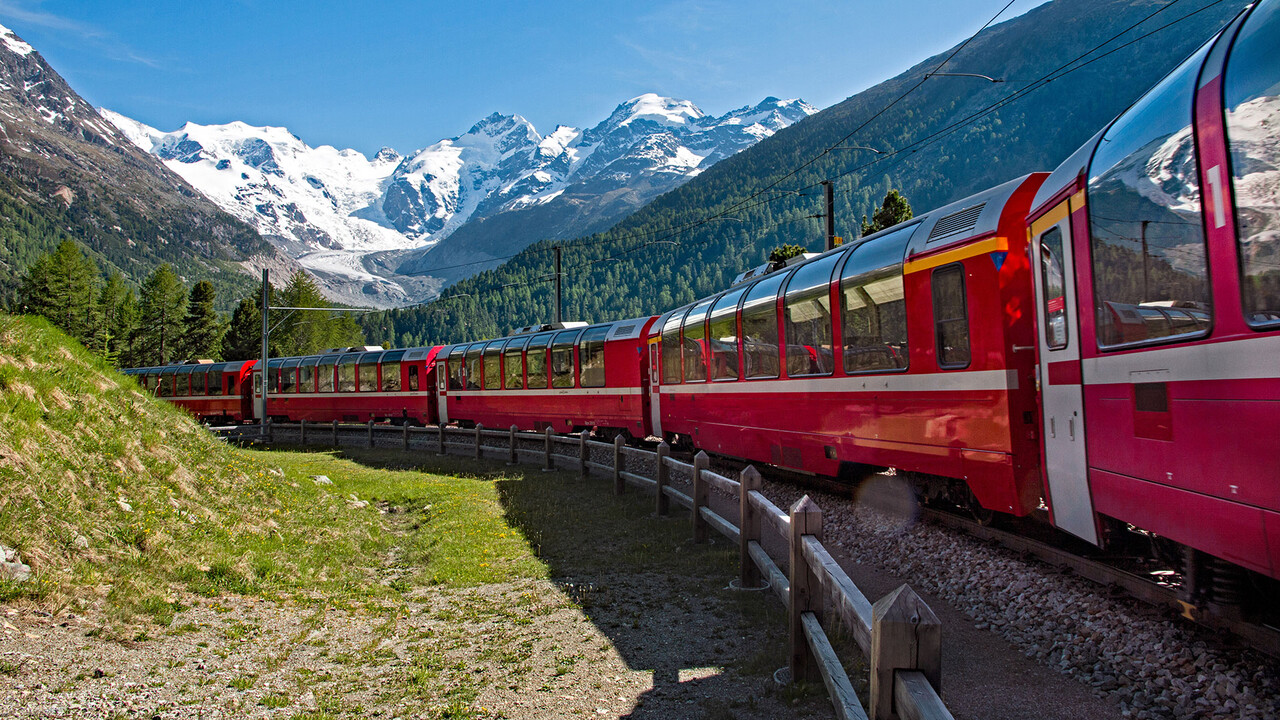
655	386
1058	373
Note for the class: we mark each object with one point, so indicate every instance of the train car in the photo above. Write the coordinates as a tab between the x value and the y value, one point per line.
568	379
1157	248
910	349
351	385
212	392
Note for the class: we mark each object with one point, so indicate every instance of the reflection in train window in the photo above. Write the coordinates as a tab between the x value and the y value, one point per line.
1054	296
591	357
562	359
760	327
807	310
693	351
722	336
873	306
536	362
671	348
950	316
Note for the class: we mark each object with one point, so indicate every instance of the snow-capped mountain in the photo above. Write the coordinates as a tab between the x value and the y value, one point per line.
362	224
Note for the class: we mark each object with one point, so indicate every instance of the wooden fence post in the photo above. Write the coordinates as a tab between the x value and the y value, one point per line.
550	465
619	486
515	456
302	432
583	452
406	433
661	477
335	433
440	438
905	635
749	524
271	431
479	431
700	463
806	592
370	424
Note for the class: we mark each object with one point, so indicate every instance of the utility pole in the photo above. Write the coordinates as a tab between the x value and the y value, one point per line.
266	309
830	214
555	317
1145	270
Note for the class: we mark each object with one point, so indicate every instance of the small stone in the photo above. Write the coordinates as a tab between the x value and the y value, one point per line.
321	480
82	542
125	506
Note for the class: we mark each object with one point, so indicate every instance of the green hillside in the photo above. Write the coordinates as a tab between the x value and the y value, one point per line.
663	255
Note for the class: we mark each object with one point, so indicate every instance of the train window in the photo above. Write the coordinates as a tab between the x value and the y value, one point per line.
513	364
693	346
152	383
307	374
182	385
325	371
722	336
807	309
457	368
231	385
273	376
873	307
760	328
562	359
1146	237
391	371
950	316
413	378
367	372
536	362
347	372
1252	95
671	348
1052	277
475	365
493	365
213	383
197	383
257	383
289	376
591	357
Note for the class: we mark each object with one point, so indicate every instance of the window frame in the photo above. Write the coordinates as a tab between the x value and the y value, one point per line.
1044	295
781	278
327	382
843	281
492	351
674	326
474	363
730	313
603	332
347	360
815	292
394	359
539	343
560	342
959	269
514	348
311	367
703	309
291	366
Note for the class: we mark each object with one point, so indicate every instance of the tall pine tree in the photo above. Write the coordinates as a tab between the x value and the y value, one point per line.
163	313
243	339
204	329
117	328
893	210
61	287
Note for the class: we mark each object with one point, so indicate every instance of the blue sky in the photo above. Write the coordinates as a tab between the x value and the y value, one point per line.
406	74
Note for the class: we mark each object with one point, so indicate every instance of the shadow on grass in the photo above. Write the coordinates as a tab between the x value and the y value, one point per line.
663	602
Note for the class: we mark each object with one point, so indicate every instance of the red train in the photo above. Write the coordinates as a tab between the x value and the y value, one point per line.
1101	342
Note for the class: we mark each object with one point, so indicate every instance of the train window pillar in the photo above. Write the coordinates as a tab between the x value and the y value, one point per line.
950	316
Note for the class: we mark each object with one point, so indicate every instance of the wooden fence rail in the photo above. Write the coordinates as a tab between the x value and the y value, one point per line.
899	634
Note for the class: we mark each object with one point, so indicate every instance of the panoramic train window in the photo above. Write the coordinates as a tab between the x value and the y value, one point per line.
873	307
591	356
536	362
273	376
391	371
152	383
347	372
807	309
493	365
722	336
760	328
197	383
413	378
307	375
289	376
457	368
474	365
695	333
950	316
1052	277
183	385
671	348
1252	94
513	364
325	371
368	372
213	383
562	359
1146	237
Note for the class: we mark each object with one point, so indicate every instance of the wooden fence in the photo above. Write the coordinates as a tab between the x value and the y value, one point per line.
899	635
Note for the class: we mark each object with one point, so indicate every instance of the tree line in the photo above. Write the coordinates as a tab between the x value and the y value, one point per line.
162	322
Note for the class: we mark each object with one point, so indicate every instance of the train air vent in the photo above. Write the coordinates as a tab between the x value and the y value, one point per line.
621	330
956	223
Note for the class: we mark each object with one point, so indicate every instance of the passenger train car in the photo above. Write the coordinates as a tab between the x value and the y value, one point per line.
213	392
1101	342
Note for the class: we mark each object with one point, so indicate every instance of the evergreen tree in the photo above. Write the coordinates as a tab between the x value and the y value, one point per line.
783	253
118	321
60	287
243	339
306	332
893	210
204	329
163	311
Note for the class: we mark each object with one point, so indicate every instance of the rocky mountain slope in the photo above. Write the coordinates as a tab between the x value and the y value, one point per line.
364	226
67	172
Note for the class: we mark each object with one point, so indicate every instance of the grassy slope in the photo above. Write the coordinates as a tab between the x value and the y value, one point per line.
118	500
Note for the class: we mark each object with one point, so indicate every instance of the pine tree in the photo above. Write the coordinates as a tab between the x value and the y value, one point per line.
243	340
163	306
204	329
118	321
60	286
893	210
306	332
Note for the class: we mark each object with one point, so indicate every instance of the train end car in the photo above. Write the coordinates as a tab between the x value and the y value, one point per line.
211	392
569	379
1158	311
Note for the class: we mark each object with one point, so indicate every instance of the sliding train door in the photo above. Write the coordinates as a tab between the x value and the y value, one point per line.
1058	374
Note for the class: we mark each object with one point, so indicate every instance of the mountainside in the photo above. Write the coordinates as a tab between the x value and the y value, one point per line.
364	225
662	256
65	172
